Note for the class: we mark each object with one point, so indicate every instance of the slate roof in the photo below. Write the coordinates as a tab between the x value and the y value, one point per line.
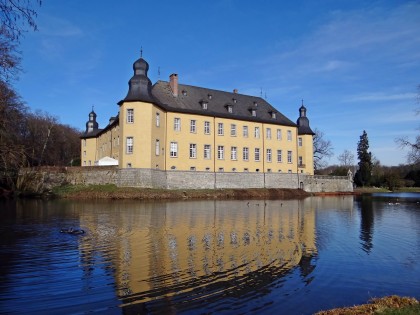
190	99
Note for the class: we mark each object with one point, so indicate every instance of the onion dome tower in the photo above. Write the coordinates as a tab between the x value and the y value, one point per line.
91	124
140	85
303	122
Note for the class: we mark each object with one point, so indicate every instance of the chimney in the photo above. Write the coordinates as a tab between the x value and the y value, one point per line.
235	91
173	83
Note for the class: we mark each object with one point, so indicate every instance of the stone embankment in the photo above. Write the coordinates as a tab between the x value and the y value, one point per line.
44	180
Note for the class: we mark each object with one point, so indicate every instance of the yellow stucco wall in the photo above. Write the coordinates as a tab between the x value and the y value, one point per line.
146	130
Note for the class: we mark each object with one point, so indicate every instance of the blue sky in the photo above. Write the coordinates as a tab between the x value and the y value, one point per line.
356	64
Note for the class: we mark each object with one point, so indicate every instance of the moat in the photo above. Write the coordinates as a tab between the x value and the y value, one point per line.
201	256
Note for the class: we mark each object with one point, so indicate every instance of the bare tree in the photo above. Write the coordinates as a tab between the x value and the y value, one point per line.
16	15
322	150
346	159
413	155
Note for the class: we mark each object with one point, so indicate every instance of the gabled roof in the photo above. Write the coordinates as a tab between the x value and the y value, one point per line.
190	99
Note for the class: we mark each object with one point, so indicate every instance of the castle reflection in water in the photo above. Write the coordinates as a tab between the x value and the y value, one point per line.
159	249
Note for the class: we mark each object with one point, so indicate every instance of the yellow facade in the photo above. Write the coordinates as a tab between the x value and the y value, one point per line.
152	135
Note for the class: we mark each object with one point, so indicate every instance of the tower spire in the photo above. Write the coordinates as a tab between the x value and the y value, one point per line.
141	52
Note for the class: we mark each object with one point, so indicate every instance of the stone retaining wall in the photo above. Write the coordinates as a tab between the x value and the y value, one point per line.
42	179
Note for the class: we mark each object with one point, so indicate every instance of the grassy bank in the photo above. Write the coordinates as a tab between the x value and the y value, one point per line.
390	305
114	192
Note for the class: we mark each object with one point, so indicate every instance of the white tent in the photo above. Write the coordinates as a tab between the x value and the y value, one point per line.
107	161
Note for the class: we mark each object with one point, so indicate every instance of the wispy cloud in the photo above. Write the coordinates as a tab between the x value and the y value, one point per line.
381	96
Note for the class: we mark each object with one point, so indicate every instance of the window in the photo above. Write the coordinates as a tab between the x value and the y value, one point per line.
129	145
279	156
193	151
234	169
207	168
90	163
84	163
207	151
300	161
273	115
84	153
130	115
245	131
245	154
230	109
257	132
257	154
173	150
269	170
221	169
233	153
84	142
254	113
279	134
177	124
193	126
157	119
220	129
129	165
157	147
289	135
192	168
268	155
204	105
207	127
268	133
300	141
220	152
289	156
233	130
246	169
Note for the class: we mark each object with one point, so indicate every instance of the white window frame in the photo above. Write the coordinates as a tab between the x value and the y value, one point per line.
193	126
289	157
207	151
300	141
129	145
268	133
279	156
245	131
193	151
157	147
233	130
220	152
289	135
279	136
233	153
207	127
130	115
157	120
245	154
269	155
257	132
300	160
173	149
177	124
257	154
220	130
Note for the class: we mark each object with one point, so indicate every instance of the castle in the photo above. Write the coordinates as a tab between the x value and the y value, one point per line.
170	126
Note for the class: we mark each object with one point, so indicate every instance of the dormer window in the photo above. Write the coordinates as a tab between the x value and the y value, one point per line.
204	104
229	108
255	104
234	100
209	96
273	115
254	112
184	93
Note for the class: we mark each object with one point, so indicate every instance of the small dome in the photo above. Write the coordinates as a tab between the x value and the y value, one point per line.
140	67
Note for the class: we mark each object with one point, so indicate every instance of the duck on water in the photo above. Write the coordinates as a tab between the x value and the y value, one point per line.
72	231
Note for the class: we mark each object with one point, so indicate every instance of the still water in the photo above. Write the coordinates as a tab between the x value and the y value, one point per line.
212	257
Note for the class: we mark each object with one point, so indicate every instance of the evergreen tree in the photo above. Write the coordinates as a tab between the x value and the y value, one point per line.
364	173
